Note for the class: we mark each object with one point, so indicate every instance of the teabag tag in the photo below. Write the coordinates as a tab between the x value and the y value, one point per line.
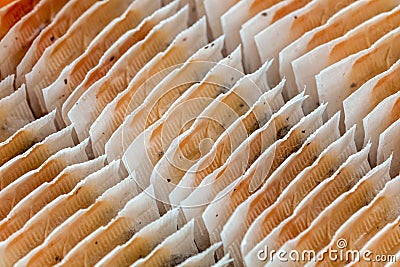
12	12
47	192
18	40
353	71
258	23
68	14
184	46
80	225
230	140
258	174
15	113
306	67
115	52
214	11
321	230
173	250
343	21
7	86
154	141
67	48
377	121
203	259
117	79
371	93
20	188
237	15
143	242
35	156
324	194
283	176
72	75
137	213
194	69
387	147
27	137
57	211
291	27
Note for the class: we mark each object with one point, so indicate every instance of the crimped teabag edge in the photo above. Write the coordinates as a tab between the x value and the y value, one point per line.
67	48
214	10
35	156
81	224
175	92
17	41
7	86
363	36
349	173
117	79
47	192
15	113
115	52
59	210
255	118
72	10
139	88
203	259
387	147
173	250
26	137
143	242
193	69
137	213
340	23
20	188
73	74
259	22
352	72
224	261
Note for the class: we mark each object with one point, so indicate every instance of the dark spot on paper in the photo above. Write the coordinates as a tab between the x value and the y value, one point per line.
65	81
184	39
57	259
96	242
353	85
304	131
241	105
216	215
264	14
206	47
112	58
168	180
295	17
52	38
212	45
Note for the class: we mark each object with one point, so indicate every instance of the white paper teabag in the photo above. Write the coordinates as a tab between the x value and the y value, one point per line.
7	86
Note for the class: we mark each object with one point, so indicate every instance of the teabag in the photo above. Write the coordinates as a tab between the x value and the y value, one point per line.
353	71
143	242
355	167
18	40
343	21
258	23
214	11
137	213
371	93
237	15
80	225
12	12
67	48
46	193
230	140
27	137
306	67
184	46
387	147
7	86
283	176
59	210
15	113
35	156
117	79
173	250
176	96
194	69
203	259
115	52
378	120
24	185
67	15
291	27
260	173
321	230
72	75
